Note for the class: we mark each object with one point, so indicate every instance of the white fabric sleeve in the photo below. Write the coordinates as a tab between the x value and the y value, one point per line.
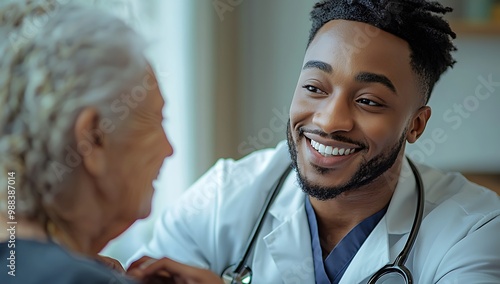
476	258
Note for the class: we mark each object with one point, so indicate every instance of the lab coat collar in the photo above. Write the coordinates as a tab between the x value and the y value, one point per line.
403	205
376	250
371	256
290	242
289	245
293	196
399	216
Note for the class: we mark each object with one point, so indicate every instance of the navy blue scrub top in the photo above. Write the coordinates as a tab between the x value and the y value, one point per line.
331	270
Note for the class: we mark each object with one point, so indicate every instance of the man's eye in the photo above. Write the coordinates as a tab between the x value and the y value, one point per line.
312	89
368	102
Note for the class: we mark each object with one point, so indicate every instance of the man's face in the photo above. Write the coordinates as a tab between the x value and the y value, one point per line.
353	106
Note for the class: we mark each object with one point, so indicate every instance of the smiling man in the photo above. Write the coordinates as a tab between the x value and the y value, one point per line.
350	206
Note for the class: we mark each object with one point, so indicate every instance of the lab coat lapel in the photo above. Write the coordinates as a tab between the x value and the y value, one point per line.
290	247
387	239
373	254
401	211
289	243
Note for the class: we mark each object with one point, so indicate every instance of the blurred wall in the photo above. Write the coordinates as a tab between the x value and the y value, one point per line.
273	38
463	133
466	110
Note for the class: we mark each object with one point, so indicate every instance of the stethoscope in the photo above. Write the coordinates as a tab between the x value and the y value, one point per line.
395	272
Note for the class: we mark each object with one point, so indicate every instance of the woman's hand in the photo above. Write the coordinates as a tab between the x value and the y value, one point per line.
148	270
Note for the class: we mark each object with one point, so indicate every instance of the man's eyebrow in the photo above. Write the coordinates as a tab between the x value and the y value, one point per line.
325	67
367	77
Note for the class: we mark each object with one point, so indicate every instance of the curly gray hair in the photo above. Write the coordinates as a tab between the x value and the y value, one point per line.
59	58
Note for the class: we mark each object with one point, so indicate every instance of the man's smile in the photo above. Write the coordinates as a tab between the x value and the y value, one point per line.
329	151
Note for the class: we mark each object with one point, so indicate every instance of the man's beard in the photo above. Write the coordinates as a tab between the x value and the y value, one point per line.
367	172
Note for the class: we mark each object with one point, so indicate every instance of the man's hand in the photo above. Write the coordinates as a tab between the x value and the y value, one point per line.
136	269
140	263
147	269
111	263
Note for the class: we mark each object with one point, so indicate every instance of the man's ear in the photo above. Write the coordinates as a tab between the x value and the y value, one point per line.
418	123
90	141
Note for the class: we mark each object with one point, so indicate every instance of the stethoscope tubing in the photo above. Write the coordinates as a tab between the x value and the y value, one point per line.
269	201
403	256
398	266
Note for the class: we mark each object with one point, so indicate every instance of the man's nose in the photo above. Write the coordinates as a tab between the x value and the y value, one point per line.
334	114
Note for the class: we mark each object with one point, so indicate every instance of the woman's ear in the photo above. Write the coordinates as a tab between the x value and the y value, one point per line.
90	141
418	123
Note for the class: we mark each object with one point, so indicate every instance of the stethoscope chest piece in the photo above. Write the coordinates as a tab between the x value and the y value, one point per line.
231	276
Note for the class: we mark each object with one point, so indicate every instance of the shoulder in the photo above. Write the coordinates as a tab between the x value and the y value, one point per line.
460	228
447	190
254	164
458	211
38	262
80	268
209	224
230	178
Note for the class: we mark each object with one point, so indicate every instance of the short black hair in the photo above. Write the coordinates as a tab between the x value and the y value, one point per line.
416	21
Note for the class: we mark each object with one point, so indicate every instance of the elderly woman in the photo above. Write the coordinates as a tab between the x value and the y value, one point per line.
81	142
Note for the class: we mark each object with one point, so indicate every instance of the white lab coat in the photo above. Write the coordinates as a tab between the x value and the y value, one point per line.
458	242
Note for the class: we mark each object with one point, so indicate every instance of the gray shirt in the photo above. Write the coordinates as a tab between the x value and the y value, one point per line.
47	262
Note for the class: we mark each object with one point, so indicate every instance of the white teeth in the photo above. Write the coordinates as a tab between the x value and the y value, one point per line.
322	149
328	150
335	151
331	151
